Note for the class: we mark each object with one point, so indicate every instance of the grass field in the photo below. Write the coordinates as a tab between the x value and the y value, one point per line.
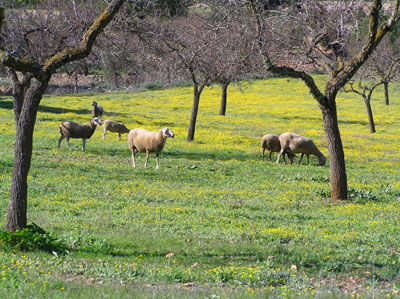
214	220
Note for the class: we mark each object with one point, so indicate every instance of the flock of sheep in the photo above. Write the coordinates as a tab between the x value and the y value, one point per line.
139	140
291	144
144	141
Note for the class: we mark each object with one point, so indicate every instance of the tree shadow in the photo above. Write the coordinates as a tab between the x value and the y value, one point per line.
57	110
7	104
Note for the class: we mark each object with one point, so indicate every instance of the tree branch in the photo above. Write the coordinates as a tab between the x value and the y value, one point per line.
76	53
282	70
375	35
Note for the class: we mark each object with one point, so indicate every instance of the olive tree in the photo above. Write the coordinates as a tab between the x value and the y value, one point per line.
317	32
31	66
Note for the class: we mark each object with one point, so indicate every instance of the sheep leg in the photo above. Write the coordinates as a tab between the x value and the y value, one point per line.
104	133
308	159
263	153
133	157
291	158
270	155
67	142
279	156
284	157
83	144
60	139
147	158
157	160
119	136
301	158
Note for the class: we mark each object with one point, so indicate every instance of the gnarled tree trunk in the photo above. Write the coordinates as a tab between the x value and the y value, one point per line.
335	150
25	123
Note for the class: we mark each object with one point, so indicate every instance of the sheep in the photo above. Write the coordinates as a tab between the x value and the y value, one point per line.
141	140
97	110
115	127
271	142
293	143
70	129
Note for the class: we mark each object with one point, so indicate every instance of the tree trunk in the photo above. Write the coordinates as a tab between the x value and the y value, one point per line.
386	87
25	122
75	82
195	109
336	153
367	101
224	96
116	85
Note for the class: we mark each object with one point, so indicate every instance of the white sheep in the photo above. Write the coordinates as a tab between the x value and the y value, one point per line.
115	127
70	129
97	110
296	144
141	140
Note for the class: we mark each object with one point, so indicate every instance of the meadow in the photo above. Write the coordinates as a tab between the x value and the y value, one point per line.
215	220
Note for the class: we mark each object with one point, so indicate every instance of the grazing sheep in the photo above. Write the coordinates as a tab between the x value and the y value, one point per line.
141	140
70	129
272	144
115	127
97	110
293	143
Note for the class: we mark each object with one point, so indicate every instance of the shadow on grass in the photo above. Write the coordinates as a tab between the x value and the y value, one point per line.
108	249
7	104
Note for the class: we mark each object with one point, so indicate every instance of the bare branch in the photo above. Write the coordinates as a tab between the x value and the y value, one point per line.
72	54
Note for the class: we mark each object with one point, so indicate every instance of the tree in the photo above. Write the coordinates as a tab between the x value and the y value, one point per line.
188	45
30	79
318	32
376	73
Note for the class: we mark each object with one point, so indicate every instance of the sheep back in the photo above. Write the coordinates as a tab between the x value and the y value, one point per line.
298	144
72	129
144	140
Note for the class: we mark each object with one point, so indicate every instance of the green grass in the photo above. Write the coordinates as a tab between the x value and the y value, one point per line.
214	220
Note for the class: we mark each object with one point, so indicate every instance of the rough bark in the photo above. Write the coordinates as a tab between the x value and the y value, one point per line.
224	97
336	153
17	207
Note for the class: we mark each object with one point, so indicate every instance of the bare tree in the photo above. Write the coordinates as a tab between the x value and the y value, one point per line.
30	70
376	73
188	44
318	32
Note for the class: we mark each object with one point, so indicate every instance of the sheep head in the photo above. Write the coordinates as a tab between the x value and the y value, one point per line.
167	132
96	121
322	160
94	104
